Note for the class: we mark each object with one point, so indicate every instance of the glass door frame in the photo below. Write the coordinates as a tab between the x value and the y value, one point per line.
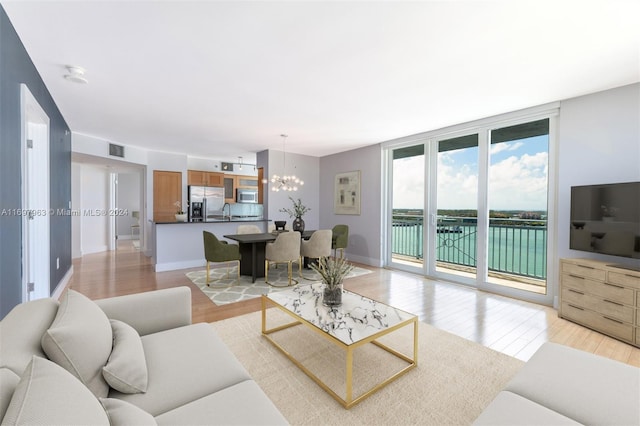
387	203
483	128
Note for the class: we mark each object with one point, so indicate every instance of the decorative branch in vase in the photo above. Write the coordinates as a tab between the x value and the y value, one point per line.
332	272
181	215
298	210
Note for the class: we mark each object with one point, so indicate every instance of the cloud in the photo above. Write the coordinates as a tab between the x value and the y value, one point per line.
518	182
505	146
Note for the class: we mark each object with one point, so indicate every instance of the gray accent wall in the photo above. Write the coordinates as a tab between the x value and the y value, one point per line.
365	229
16	68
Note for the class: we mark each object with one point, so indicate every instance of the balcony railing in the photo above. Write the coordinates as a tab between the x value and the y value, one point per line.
516	246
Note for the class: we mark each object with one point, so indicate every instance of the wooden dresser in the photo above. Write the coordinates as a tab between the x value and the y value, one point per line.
602	297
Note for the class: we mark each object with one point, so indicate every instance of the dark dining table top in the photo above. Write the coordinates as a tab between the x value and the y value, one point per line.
264	237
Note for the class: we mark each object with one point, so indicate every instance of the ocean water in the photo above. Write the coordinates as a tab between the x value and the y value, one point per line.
520	250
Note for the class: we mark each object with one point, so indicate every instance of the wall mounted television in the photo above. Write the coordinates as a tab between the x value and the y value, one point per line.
605	219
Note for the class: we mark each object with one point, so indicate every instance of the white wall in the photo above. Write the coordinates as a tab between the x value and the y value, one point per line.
128	199
599	142
365	229
91	145
94	196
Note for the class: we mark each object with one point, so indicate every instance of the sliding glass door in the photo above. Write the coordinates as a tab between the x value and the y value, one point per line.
456	207
517	190
473	206
407	204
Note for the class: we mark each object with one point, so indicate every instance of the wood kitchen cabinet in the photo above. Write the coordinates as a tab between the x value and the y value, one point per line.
250	182
167	189
233	182
229	188
202	178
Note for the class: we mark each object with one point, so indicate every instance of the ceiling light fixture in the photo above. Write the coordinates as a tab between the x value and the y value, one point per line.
240	162
76	74
284	183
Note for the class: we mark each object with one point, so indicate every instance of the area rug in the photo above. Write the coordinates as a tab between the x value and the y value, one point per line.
228	291
454	381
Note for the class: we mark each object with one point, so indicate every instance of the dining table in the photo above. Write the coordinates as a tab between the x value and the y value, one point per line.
252	250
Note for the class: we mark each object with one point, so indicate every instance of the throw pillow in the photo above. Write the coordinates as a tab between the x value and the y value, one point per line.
80	340
123	413
48	394
126	369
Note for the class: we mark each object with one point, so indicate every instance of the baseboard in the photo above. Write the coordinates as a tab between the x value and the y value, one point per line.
62	285
172	266
95	249
363	260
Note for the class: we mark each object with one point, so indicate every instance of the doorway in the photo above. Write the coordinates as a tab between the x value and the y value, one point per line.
36	268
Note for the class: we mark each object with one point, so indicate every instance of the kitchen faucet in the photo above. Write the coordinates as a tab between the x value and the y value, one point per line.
225	205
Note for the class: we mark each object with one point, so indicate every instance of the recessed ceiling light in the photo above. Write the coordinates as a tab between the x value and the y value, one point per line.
76	74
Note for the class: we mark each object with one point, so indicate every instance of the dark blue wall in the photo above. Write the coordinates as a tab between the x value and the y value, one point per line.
16	68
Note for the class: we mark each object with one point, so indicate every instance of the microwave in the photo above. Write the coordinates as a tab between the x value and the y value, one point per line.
246	195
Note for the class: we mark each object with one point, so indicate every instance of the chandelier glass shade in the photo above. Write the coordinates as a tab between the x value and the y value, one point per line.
284	183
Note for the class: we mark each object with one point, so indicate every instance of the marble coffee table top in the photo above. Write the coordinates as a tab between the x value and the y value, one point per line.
356	319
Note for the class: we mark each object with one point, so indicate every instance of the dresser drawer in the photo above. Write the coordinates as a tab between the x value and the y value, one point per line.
599	322
630	279
584	271
611	309
612	292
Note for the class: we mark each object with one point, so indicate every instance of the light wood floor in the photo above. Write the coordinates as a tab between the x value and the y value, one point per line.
510	326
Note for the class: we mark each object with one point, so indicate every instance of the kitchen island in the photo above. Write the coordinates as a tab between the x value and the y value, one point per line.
179	245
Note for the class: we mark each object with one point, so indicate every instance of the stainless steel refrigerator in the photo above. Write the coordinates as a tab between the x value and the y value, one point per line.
205	203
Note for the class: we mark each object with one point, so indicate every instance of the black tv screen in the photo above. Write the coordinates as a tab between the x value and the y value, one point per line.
606	219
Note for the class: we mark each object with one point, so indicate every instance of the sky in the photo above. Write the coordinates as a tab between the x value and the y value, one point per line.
517	177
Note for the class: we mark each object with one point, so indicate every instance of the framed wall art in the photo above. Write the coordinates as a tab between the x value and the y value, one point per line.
346	199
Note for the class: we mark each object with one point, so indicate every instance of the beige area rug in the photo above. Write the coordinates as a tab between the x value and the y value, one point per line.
228	291
454	381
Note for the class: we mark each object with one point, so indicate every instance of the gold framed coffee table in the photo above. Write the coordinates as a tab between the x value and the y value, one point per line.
357	322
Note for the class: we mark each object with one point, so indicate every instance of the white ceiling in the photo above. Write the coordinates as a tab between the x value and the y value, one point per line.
223	79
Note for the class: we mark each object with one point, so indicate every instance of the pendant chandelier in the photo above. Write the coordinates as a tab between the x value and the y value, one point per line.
284	183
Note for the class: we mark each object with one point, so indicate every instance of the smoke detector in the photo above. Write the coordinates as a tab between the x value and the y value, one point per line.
76	74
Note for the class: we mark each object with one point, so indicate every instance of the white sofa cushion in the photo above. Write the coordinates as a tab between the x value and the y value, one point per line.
21	333
121	413
80	340
126	369
510	409
587	388
241	404
8	383
48	394
184	364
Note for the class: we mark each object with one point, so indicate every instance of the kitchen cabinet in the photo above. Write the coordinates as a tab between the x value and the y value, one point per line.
233	182
249	182
167	189
203	178
229	188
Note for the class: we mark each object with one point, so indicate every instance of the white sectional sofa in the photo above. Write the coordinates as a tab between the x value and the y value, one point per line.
126	360
564	386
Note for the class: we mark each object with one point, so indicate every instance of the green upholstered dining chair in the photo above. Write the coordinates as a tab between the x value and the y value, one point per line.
285	249
216	251
317	246
340	239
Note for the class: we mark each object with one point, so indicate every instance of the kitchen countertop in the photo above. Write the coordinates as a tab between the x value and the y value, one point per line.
232	220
